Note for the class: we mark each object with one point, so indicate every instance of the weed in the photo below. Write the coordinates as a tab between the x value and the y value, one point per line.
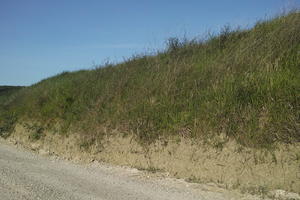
36	132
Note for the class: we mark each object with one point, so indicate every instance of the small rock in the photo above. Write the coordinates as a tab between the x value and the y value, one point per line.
35	147
43	152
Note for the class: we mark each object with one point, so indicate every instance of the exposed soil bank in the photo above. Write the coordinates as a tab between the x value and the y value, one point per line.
233	166
26	175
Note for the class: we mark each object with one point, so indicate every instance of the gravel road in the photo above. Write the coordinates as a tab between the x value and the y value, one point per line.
26	175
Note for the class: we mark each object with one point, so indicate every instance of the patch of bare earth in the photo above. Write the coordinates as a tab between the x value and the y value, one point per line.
269	174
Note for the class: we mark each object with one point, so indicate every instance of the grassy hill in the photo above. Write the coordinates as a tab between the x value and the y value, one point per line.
241	83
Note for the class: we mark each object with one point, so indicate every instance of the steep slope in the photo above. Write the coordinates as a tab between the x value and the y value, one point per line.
240	85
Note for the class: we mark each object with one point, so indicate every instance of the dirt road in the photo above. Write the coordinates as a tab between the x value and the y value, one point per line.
26	175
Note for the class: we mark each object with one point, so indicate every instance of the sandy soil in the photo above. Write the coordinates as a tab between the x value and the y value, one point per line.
26	175
272	174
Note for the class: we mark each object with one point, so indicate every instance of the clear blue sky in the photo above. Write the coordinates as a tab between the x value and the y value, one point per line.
40	38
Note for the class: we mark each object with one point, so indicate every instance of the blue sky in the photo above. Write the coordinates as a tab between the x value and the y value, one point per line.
40	38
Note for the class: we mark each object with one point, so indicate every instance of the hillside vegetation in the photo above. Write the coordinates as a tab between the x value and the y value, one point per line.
6	92
244	84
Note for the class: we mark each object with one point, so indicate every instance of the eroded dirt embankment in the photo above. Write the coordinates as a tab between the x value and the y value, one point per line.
233	166
27	176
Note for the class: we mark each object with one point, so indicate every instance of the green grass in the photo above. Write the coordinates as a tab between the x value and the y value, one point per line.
241	83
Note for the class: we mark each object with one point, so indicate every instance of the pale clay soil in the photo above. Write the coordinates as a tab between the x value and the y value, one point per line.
27	175
56	167
233	167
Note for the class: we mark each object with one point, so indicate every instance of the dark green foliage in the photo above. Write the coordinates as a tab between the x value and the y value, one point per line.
36	131
4	90
242	83
7	93
7	123
7	117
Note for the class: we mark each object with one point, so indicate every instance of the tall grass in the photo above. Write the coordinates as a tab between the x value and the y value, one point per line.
241	83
